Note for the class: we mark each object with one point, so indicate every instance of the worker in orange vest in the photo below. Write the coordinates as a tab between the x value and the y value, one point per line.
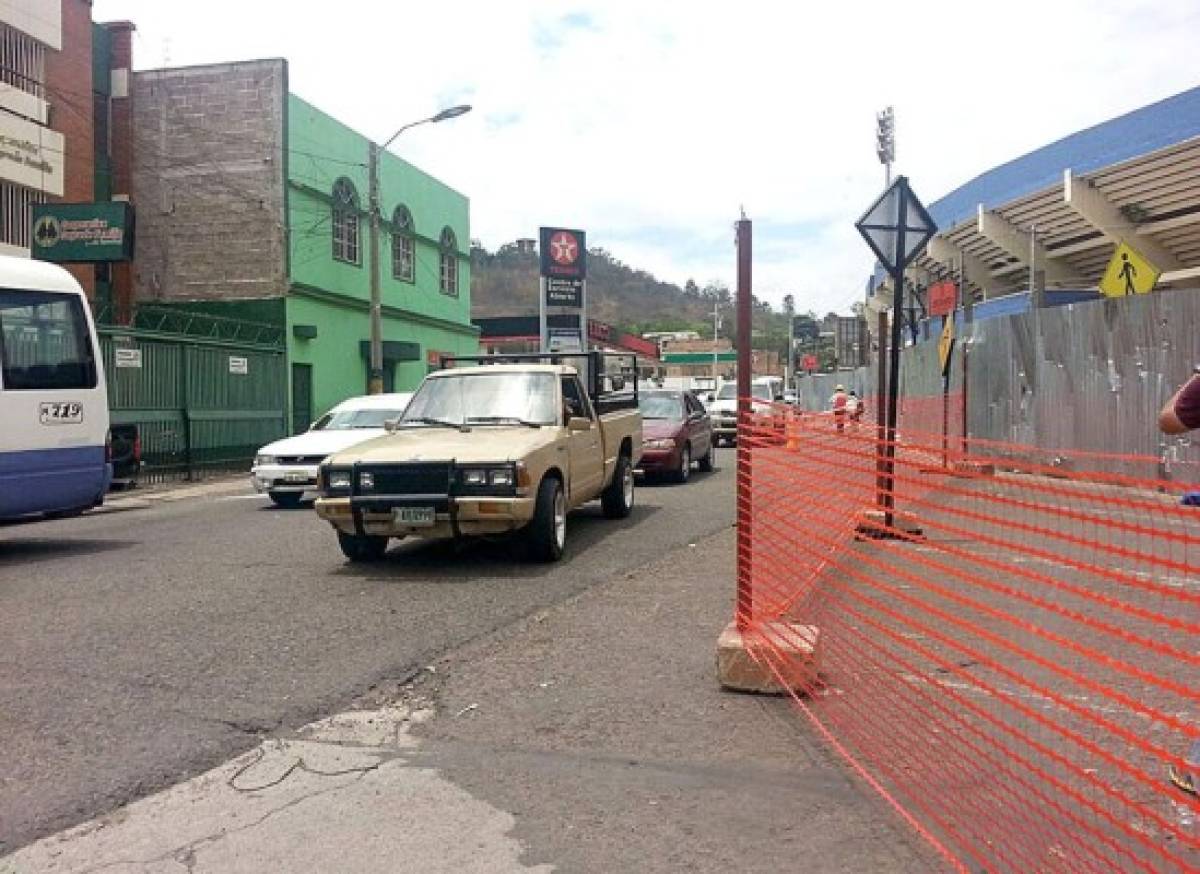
837	403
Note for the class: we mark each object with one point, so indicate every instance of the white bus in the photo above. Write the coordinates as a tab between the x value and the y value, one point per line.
53	401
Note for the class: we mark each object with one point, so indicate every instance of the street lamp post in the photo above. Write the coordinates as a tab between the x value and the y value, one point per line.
375	385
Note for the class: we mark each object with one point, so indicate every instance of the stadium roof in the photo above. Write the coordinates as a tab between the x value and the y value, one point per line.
1064	207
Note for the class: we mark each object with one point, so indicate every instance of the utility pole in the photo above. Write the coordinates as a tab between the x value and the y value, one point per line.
716	328
375	378
791	352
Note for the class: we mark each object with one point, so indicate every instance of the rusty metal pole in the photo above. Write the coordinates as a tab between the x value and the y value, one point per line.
745	313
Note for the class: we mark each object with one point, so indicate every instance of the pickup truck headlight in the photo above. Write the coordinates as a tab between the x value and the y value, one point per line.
261	460
488	478
335	481
659	444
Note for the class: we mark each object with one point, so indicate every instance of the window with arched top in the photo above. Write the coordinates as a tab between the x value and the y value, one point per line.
344	207
404	249
449	260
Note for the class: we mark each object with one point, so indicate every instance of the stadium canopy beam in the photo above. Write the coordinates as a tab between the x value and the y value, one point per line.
953	256
1104	215
1017	243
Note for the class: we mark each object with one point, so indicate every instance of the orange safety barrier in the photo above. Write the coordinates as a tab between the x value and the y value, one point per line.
1013	662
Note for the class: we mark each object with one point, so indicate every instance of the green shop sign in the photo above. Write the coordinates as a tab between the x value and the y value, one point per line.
74	232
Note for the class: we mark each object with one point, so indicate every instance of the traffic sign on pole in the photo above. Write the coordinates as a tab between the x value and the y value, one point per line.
897	226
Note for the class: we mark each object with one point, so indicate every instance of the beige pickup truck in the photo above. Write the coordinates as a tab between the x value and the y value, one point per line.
510	444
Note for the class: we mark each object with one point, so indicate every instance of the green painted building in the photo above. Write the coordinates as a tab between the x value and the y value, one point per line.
424	263
253	205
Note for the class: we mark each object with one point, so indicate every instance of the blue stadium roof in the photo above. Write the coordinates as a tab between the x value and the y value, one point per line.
1136	133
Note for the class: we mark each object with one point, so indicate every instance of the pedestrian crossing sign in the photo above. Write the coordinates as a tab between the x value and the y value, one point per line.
1128	273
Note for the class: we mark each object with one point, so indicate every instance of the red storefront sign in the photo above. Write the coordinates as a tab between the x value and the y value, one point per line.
943	298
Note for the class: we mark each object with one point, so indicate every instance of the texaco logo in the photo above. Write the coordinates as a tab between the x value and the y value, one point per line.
564	248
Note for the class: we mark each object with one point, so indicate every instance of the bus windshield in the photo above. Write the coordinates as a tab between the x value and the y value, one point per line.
44	342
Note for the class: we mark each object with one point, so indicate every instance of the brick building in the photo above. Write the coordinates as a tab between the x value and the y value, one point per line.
57	107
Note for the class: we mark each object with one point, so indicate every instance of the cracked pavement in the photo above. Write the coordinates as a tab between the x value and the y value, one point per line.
144	646
173	694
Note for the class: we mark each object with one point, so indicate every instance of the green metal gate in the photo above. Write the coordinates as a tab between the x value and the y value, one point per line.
200	403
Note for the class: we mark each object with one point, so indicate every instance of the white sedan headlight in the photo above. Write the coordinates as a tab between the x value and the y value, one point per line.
261	460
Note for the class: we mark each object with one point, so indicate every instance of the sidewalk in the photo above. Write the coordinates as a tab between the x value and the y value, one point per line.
589	737
142	497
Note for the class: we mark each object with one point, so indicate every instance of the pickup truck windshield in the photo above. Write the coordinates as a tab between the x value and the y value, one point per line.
727	392
485	398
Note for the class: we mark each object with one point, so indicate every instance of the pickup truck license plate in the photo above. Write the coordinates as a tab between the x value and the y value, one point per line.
413	516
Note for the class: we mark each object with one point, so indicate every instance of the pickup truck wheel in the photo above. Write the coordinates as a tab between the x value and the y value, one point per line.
287	500
367	547
706	460
617	498
685	464
547	534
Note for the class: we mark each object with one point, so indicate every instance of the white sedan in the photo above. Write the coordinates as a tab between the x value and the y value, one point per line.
287	468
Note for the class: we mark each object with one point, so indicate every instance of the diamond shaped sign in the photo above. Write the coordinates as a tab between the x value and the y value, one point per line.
897	226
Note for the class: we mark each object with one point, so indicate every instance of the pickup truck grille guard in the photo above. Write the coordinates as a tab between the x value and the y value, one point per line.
406	484
421	484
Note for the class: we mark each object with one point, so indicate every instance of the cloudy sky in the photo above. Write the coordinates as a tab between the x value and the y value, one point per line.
650	124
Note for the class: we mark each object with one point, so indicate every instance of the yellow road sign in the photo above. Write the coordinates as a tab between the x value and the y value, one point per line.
1128	273
946	342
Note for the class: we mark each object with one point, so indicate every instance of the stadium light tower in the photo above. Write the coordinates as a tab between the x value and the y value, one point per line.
885	141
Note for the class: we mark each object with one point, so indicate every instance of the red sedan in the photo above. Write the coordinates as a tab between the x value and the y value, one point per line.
676	432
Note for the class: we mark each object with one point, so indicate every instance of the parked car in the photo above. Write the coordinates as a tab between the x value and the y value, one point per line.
677	431
287	468
126	443
509	446
723	408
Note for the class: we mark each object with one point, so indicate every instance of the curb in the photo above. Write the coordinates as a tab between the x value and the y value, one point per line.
142	501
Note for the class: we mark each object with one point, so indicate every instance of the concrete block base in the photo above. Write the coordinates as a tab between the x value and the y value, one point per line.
793	648
872	525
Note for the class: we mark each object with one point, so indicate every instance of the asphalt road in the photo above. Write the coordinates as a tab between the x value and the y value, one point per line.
143	646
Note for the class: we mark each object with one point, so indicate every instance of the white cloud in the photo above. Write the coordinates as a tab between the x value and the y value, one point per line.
650	124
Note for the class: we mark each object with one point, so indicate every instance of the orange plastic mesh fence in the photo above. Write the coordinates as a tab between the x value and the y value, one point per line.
1014	661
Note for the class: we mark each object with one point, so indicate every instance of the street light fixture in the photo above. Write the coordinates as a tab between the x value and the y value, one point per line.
375	385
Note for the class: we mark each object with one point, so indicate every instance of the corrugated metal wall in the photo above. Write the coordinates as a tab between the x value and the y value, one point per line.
1089	376
197	404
